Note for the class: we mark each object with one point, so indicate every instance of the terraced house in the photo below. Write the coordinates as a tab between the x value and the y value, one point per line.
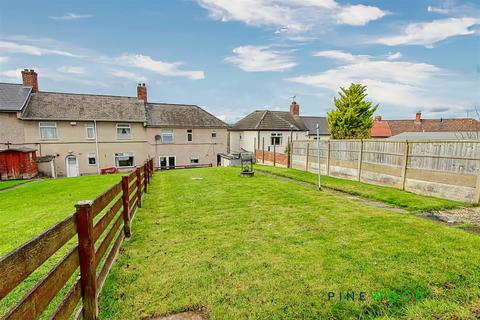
85	133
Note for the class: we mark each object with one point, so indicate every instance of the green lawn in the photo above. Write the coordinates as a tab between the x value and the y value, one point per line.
261	248
392	196
10	183
27	211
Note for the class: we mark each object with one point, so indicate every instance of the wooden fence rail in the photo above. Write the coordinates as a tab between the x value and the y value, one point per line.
445	169
94	253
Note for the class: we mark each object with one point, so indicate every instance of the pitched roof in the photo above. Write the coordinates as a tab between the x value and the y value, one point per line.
181	115
380	129
13	96
73	106
311	124
270	120
433	125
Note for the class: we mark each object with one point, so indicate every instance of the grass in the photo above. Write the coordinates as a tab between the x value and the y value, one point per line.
260	248
27	211
392	196
11	183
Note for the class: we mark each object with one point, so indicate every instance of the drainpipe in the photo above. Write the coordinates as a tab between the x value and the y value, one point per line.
96	146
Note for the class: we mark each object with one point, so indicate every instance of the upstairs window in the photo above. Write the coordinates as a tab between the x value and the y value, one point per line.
48	130
189	135
90	130
124	160
214	133
167	136
124	131
276	139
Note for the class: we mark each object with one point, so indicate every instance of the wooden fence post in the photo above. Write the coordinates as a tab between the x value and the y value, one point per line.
274	155
328	157
151	167
306	159
405	164
126	206
88	263
263	149
139	187
289	154
145	177
360	156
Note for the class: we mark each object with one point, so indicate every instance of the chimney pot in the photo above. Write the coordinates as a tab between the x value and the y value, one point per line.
418	117
295	108
30	79
142	92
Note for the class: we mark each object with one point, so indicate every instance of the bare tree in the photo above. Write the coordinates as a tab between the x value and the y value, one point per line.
471	133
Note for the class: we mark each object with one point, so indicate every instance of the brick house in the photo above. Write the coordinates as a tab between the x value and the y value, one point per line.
86	132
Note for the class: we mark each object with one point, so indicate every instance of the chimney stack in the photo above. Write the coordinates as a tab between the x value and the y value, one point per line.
378	118
295	108
30	79
142	92
418	116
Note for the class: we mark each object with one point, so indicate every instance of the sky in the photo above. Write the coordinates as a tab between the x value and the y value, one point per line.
234	57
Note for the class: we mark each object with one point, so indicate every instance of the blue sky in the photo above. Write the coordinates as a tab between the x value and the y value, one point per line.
233	57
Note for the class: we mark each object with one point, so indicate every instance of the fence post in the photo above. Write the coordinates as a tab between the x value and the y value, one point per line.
405	164
477	190
151	167
360	156
139	187
289	155
274	155
263	150
328	157
145	177
126	206
88	263
306	159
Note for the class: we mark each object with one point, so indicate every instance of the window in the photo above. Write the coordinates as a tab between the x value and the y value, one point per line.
90	129
276	139
167	136
214	133
48	130
189	135
92	159
124	160
123	131
194	159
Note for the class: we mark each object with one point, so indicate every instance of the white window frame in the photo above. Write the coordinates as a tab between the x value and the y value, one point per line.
276	135
50	125
214	134
168	132
89	156
123	154
190	135
194	158
90	125
124	126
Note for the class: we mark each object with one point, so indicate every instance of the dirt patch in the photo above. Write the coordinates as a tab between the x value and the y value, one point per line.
186	315
464	215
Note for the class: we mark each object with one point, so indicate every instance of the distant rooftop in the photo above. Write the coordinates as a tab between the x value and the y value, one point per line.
13	96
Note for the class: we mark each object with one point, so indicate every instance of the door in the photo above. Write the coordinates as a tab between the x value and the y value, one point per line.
167	162
72	166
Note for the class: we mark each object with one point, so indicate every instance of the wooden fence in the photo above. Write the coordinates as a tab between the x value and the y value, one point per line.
445	169
118	206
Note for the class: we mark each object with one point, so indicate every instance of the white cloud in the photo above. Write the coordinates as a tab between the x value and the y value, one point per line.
4	59
128	75
260	59
394	56
163	68
73	70
428	33
400	83
359	15
12	74
437	10
341	56
291	16
72	16
9	46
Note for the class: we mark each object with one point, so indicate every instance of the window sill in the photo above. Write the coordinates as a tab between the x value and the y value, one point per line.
46	139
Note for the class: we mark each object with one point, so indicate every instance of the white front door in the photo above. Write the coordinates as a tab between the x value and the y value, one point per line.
72	166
